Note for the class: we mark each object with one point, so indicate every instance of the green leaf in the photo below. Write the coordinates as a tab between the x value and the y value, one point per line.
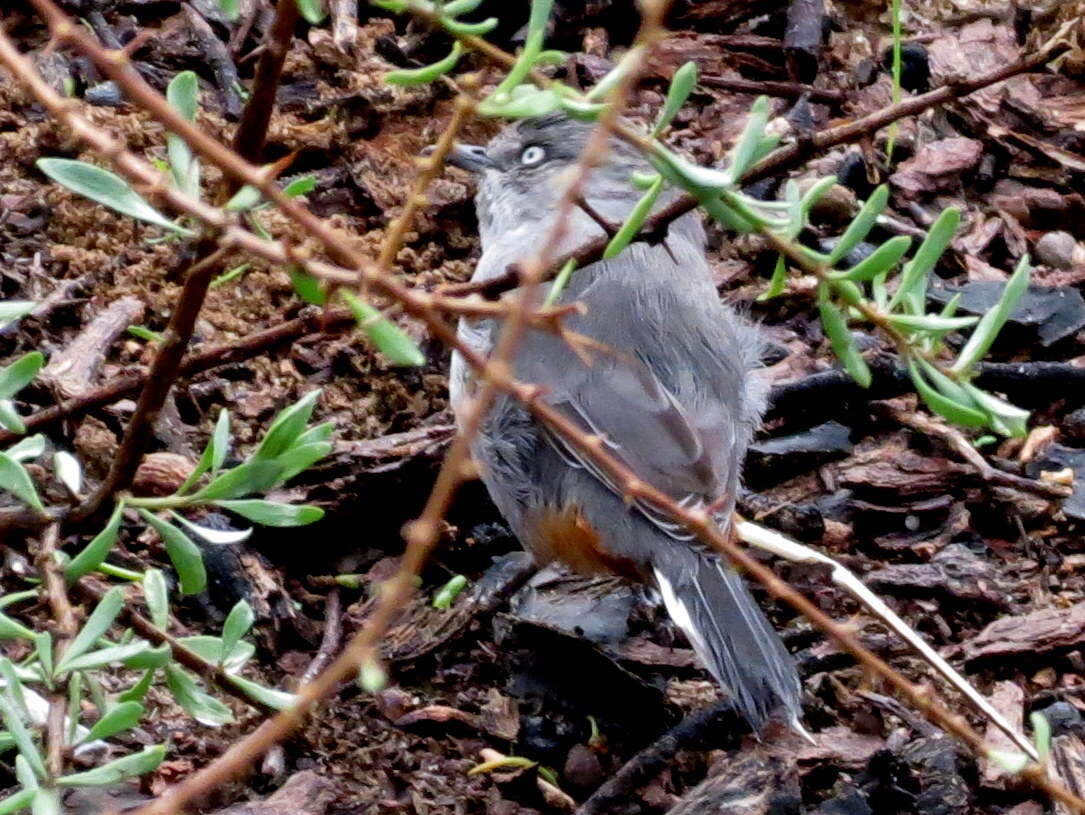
221	537
23	740
533	43
43	647
778	282
123	716
214	454
275	699
1013	418
20	373
15	479
525	102
211	650
254	475
106	188
237	625
316	433
95	552
271	513
12	310
112	655
561	280
449	592
244	199
300	458
307	287
746	149
24	772
140	689
46	802
454	8
931	322
421	76
183	553
633	223
613	77
183	95
157	597
199	705
691	176
131	766
27	449
471	29
312	11
11	629
149	658
16	801
96	625
389	338
229	9
962	414
14	687
287	426
860	227
144	333
913	281
992	322
878	262
10	418
836	329
300	186
682	85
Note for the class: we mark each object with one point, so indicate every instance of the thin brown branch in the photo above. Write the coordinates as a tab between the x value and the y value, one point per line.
330	640
92	591
769	87
956	440
251	132
66	626
163	373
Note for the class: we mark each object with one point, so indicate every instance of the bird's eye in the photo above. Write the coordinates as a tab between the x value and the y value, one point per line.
532	155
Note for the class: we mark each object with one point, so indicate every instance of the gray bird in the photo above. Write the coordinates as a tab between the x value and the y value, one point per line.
668	387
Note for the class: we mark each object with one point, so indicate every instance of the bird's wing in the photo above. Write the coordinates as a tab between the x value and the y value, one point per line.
685	446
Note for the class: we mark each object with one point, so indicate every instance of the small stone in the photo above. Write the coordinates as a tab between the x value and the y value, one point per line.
1056	249
582	768
161	474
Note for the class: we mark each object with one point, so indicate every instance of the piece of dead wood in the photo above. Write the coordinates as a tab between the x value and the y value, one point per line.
1009	699
693	731
330	639
72	370
1067	765
747	784
1035	633
956	571
803	37
304	793
422	628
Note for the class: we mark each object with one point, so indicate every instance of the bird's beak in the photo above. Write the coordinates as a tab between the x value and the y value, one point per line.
470	157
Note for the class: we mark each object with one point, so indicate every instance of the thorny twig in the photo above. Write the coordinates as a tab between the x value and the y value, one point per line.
699	522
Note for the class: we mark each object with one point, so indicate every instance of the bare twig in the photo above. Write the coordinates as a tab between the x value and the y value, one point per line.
66	627
769	87
329	642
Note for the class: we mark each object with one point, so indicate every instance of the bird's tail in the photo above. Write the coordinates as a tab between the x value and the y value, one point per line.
712	605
